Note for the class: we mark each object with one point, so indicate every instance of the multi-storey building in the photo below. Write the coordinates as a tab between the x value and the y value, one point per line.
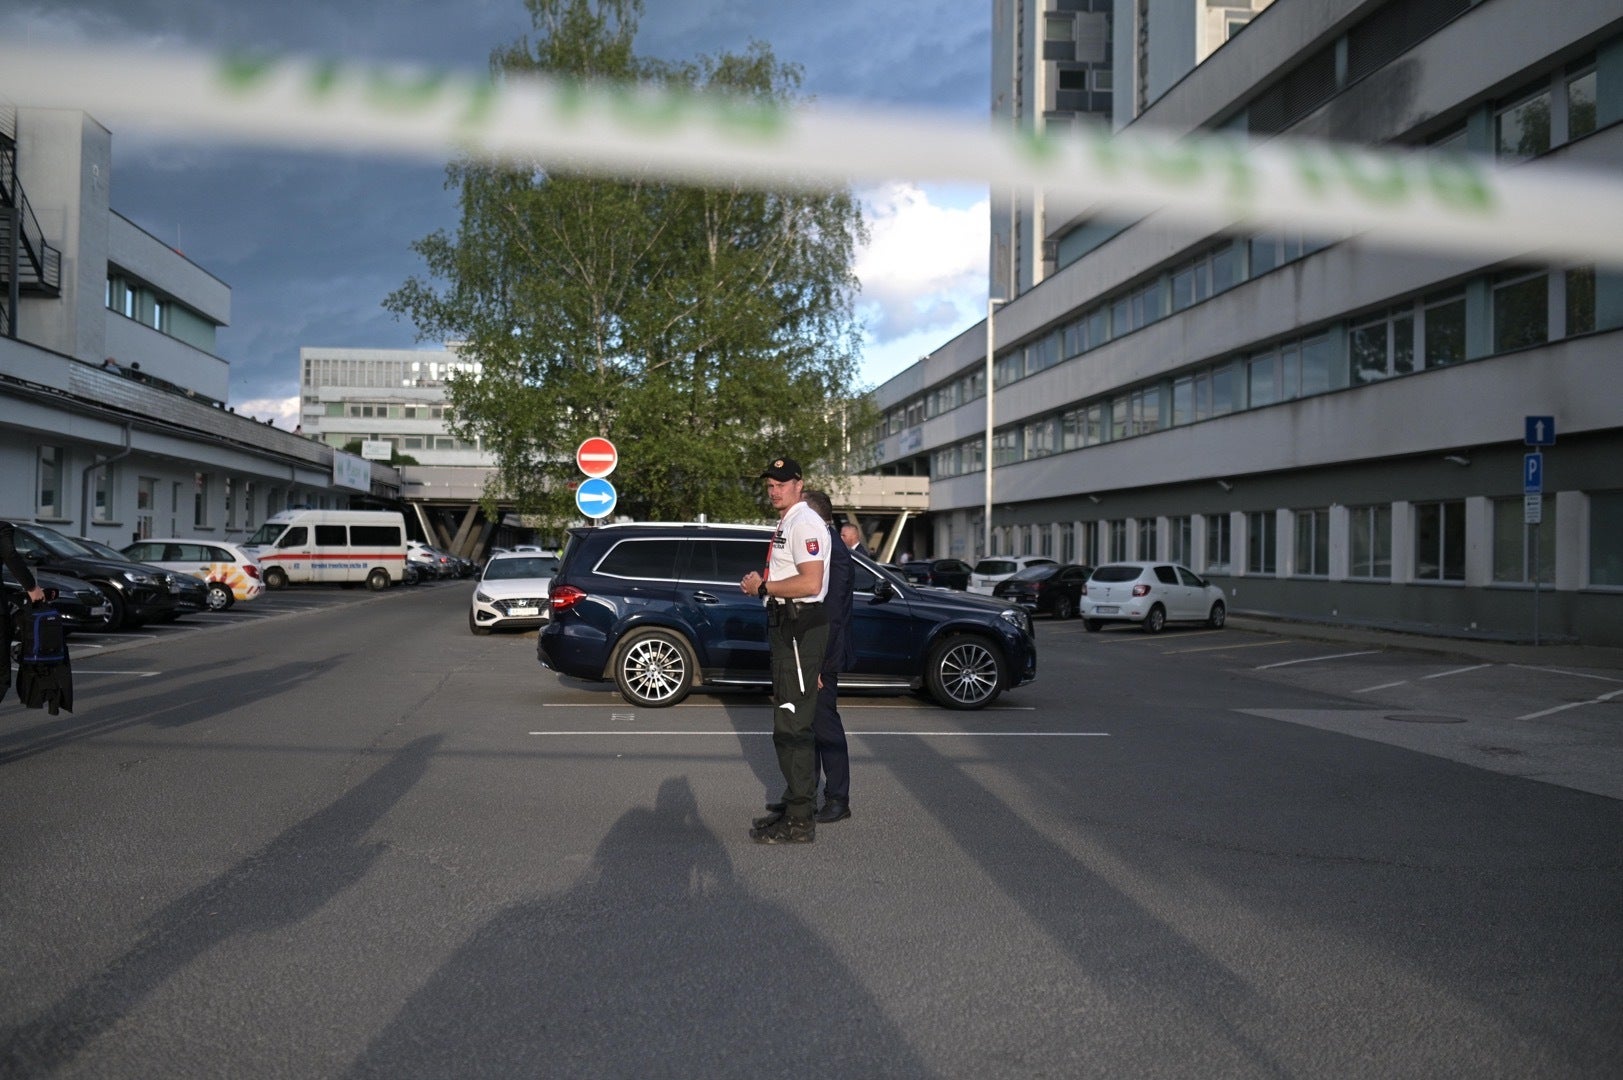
1328	430
113	415
395	396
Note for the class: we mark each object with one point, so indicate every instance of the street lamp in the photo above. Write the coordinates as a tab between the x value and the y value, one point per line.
986	519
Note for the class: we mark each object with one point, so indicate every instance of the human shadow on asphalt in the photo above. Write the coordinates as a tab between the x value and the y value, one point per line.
161	703
657	963
285	882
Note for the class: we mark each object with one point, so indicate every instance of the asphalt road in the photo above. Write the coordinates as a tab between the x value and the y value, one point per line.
337	835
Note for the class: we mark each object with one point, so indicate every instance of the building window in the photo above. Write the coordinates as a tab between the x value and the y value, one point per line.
1445	330
1581	104
200	500
1605	538
48	490
1262	543
1312	543
1045	541
1006	446
1183	540
1439	541
248	505
101	493
1090	542
1042	437
1067	545
1521	310
1512	555
146	506
1370	547
1580	300
1522	128
1118	540
1381	348
230	503
1148	547
1218	541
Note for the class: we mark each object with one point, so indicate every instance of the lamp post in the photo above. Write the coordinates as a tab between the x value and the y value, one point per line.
991	340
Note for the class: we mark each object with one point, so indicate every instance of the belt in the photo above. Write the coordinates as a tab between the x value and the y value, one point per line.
776	602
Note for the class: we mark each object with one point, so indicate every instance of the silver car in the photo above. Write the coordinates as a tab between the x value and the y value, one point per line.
1151	594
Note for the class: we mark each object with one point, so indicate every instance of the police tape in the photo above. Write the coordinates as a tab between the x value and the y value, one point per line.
1445	202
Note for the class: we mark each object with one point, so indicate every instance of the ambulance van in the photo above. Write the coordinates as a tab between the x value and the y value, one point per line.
337	546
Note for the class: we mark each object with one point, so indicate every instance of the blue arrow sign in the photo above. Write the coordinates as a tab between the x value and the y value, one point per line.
1533	473
1540	431
596	497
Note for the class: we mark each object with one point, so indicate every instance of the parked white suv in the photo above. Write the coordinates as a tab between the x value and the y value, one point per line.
1151	594
995	568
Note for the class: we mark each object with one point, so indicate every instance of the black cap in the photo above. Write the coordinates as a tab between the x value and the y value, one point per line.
784	468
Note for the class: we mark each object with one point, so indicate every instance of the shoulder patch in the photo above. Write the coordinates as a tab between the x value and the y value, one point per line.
811	547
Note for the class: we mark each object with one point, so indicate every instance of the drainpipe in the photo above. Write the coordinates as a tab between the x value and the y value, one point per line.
84	482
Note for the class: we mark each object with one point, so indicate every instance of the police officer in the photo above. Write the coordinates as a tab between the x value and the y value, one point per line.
25	577
793	587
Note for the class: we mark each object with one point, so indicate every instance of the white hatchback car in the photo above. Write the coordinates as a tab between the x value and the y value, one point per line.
512	591
230	572
995	568
1151	594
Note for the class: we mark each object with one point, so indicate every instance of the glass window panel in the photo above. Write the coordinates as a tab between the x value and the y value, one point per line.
1315	365
1521	313
1445	332
1223	268
1262	380
1121	314
1511	553
1581	105
1522	130
1403	345
1095	431
1264	254
1183	289
1261	543
1290	372
1366	352
1580	300
1217	543
1606	538
1098	328
1119	412
1222	389
1183	400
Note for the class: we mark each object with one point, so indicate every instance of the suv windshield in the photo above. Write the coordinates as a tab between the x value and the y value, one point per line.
540	566
1117	573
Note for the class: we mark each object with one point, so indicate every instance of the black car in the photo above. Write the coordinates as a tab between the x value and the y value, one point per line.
81	605
137	593
942	573
657	610
188	593
1046	589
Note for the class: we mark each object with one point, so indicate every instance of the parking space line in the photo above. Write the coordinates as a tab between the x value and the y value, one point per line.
1574	674
1571	705
911	734
1220	648
1146	639
1316	659
1455	671
138	674
1383	686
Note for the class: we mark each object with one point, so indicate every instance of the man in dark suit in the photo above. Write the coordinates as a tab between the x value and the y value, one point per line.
833	757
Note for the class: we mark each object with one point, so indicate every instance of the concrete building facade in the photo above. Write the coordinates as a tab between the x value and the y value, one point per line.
114	420
1328	430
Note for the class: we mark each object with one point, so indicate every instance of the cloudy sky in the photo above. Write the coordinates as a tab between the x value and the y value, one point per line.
311	242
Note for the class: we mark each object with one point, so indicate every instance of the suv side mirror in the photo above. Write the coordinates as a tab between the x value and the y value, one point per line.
882	591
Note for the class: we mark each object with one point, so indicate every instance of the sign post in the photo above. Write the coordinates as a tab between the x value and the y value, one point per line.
595	497
1536	431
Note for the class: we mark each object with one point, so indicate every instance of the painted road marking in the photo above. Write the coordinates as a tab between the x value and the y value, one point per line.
138	674
849	733
1571	705
1383	686
1574	674
1220	648
1316	659
1456	671
1151	639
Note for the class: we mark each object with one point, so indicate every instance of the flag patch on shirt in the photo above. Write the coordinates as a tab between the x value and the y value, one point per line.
811	547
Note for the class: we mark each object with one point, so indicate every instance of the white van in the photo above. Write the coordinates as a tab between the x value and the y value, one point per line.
331	546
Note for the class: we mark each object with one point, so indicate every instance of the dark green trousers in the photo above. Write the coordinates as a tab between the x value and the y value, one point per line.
794	692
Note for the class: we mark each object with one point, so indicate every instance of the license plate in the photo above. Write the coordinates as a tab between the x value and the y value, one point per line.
1106	609
524	611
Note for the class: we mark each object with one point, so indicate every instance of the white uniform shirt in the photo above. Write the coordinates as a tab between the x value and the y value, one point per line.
801	538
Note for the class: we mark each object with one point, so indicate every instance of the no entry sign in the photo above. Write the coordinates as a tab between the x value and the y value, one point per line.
597	457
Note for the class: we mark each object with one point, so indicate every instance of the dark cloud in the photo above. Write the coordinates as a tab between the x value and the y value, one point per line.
312	243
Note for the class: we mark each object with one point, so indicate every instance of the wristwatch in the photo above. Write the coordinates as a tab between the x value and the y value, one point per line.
761	592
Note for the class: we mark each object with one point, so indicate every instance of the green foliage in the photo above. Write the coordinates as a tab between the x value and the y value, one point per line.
704	330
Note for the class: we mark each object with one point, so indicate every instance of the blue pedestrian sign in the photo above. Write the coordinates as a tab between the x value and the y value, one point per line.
1540	431
1533	473
596	497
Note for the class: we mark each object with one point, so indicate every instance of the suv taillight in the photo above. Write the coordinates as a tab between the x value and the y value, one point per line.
564	597
1141	590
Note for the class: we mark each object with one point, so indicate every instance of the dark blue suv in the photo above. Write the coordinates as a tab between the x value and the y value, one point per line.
657	610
